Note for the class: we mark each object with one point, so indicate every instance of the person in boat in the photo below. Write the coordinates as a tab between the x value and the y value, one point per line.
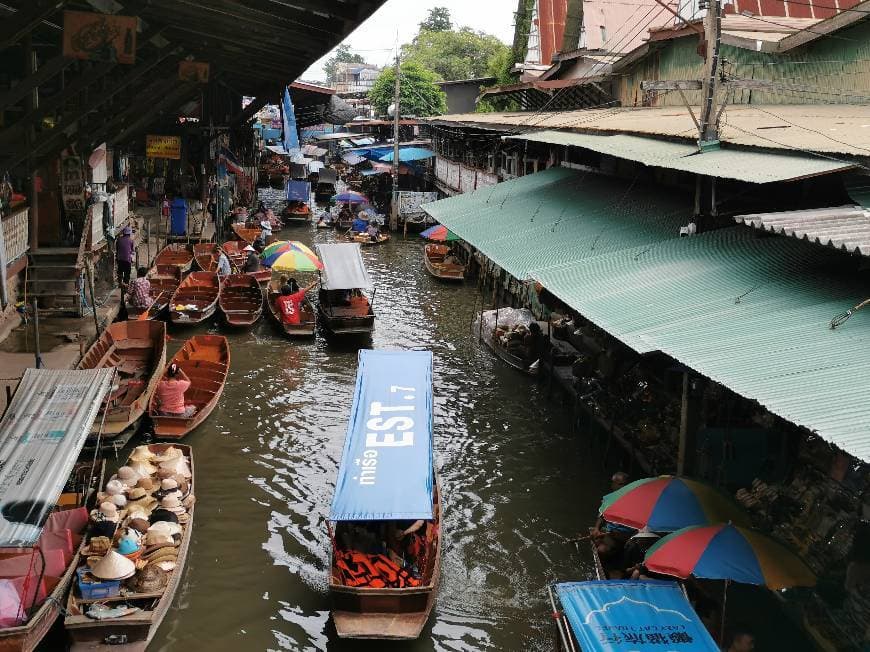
636	548
617	481
372	231
140	289
125	249
223	265
534	342
266	231
170	394
451	259
359	224
404	542
290	301
252	262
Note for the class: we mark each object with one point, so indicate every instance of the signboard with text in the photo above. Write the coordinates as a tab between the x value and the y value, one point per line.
193	71
99	37
163	146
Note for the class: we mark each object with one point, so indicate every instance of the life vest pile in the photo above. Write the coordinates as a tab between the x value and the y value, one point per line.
373	571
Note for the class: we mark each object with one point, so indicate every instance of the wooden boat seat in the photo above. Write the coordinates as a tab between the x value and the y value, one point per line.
126	345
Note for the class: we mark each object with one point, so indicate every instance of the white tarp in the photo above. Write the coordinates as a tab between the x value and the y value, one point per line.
410	201
343	267
41	437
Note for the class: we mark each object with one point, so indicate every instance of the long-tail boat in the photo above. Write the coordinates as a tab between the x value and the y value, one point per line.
386	477
366	240
307	325
195	300
206	256
137	350
241	299
245	234
234	251
133	631
343	307
177	254
434	260
205	360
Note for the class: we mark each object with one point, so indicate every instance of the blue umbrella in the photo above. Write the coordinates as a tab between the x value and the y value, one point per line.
410	154
350	196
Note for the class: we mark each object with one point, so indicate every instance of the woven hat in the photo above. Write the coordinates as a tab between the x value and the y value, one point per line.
168	483
119	500
139	510
150	579
143	468
161	514
113	488
170	453
165	553
127	546
164	527
177	465
249	248
128	476
166	564
141	454
99	546
172	503
109	512
113	566
138	496
147	484
139	524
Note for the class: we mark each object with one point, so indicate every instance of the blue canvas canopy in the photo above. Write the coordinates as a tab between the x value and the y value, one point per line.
298	191
409	154
291	136
386	470
632	616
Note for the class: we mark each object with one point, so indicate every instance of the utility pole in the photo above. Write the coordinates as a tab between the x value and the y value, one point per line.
709	128
394	214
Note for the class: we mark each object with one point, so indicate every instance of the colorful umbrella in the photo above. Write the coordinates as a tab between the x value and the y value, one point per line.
440	233
290	256
668	503
728	552
349	197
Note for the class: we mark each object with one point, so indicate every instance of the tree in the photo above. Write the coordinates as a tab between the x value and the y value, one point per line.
500	67
455	54
419	94
438	20
342	54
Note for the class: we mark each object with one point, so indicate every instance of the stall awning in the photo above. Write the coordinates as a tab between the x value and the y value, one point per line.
408	154
752	314
326	175
386	470
343	267
632	616
41	436
278	149
360	142
842	227
298	191
560	215
352	159
752	166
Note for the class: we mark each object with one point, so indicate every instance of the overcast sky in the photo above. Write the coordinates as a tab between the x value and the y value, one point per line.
375	39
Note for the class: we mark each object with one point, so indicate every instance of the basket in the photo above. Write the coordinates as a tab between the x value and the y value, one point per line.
96	590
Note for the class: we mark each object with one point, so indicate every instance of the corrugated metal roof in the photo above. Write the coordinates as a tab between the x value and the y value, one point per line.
842	227
753	167
560	215
750	313
41	436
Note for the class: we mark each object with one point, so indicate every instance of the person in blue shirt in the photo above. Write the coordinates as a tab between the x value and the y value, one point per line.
359	225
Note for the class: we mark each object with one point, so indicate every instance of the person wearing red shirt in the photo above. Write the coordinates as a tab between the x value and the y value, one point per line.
290	301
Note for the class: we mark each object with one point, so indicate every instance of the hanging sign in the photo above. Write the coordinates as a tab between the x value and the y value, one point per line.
193	71
99	37
163	147
72	179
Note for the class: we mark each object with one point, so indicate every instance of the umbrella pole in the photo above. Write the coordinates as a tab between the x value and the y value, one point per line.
722	623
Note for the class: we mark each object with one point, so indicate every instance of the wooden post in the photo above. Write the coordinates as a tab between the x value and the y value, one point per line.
690	406
36	350
89	271
32	104
709	132
397	112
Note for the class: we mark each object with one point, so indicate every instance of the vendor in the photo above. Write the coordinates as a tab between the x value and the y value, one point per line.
359	224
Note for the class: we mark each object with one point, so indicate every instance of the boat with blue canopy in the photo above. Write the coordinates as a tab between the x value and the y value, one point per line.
385	520
627	616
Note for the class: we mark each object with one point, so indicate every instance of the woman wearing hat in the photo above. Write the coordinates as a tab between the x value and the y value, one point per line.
252	262
124	250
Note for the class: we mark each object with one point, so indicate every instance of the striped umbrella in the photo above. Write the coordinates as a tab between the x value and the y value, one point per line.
728	552
290	256
440	233
668	503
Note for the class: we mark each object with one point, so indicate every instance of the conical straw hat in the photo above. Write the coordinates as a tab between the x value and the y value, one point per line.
113	566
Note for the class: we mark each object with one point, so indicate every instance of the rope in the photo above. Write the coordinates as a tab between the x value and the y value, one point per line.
843	317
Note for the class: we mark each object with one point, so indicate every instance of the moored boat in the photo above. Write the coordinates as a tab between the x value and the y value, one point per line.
234	249
206	256
298	195
502	336
137	351
205	360
437	263
176	254
195	300
307	318
246	234
366	240
146	596
387	484
240	299
343	307
164	280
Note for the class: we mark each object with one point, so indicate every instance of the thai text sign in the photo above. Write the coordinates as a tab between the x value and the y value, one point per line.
99	37
193	71
163	146
72	181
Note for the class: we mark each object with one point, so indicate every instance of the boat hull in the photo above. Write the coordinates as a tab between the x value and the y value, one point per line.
241	300
433	259
307	327
199	289
175	255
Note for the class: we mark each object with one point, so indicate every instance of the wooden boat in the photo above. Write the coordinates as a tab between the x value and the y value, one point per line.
137	349
517	362
323	224
343	223
307	324
233	250
240	299
245	234
198	295
177	254
133	632
79	491
164	280
433	259
205	359
206	256
366	240
339	318
296	213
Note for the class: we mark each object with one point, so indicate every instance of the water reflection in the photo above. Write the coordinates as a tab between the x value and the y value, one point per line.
515	481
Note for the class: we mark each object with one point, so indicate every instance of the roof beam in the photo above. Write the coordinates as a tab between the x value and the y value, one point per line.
45	72
22	22
172	101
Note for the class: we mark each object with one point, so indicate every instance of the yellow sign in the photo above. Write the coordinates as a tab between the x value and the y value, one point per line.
163	147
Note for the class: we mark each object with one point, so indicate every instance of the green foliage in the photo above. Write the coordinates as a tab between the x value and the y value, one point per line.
438	20
455	54
500	67
419	94
342	54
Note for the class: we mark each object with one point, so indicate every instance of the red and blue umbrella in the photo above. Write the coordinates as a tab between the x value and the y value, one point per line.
440	233
668	503
728	552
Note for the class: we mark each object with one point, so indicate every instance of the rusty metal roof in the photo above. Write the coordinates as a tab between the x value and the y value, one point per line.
842	227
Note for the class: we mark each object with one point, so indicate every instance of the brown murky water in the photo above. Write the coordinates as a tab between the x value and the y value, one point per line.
514	480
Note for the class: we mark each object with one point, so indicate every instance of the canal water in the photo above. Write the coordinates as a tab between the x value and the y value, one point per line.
515	481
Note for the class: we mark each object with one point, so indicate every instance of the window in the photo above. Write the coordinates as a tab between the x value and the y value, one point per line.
603	34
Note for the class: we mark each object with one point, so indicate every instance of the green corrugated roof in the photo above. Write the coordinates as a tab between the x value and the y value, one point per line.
742	165
774	345
560	215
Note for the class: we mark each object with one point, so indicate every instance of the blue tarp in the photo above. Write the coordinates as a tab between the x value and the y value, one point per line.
298	191
386	470
632	616
409	154
291	135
